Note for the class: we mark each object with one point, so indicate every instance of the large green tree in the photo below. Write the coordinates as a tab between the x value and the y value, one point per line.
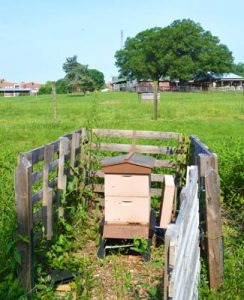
181	50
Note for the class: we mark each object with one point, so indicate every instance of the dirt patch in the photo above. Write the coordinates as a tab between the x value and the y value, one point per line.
123	276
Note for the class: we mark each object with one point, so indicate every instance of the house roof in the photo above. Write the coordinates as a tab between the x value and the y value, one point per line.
209	76
4	84
229	76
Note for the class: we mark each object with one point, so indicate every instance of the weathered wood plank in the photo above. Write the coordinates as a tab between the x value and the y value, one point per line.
159	163
75	144
138	134
47	191
62	178
25	221
138	148
63	150
168	200
38	175
38	196
214	229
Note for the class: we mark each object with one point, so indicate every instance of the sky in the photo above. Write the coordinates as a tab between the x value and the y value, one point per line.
36	36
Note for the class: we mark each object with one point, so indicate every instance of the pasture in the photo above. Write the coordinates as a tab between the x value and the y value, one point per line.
216	118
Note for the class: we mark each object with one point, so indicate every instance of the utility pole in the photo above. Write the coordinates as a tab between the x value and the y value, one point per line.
121	39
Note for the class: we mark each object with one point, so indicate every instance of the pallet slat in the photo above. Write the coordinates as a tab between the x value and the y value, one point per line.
138	148
138	134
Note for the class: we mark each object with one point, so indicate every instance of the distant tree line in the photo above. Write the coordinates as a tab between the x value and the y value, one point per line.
238	69
78	78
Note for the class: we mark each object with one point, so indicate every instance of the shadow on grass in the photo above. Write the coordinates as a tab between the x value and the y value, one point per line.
76	95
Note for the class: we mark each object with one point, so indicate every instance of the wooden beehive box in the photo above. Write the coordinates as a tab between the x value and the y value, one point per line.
127	195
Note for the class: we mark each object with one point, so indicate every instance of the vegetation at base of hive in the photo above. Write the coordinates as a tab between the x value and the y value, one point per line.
216	118
139	245
58	254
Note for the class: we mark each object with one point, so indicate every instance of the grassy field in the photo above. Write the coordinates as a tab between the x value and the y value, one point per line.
216	118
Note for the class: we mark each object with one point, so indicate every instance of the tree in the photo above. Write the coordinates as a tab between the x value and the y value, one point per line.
45	88
70	64
80	78
181	50
238	69
133	59
97	77
61	87
190	51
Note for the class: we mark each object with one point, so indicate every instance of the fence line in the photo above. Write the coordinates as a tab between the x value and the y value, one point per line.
182	252
41	179
209	184
31	207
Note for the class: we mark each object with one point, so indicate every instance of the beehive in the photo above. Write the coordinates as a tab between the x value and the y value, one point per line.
127	190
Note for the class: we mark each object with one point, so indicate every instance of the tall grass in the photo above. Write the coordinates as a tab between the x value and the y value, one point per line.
26	122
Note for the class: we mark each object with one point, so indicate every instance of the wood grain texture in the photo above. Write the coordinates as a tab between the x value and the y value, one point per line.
214	229
25	222
138	134
168	200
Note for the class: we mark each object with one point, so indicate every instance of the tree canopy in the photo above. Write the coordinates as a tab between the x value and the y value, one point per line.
181	51
79	77
97	77
238	69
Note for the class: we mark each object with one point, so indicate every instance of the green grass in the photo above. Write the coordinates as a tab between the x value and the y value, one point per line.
216	118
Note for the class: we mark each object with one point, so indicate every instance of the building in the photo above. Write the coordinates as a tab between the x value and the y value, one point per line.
12	89
225	81
141	86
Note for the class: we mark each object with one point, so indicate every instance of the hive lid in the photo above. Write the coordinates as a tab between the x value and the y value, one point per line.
130	158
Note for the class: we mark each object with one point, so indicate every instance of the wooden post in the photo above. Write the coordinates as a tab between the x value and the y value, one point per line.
47	192
62	178
214	229
54	102
210	184
75	143
23	193
167	201
155	100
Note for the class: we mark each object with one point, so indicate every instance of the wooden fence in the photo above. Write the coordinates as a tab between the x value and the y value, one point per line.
209	184
36	192
41	177
182	251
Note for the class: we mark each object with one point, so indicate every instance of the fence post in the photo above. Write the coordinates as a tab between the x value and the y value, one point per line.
155	100
62	178
23	196
210	183
214	229
47	192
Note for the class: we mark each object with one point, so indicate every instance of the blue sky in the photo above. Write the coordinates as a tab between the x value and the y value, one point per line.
36	36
